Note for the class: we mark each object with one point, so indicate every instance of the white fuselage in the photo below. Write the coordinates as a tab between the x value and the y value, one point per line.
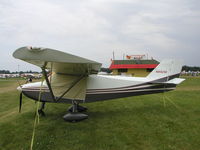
103	87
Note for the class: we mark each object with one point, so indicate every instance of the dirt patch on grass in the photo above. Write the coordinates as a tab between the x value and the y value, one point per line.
9	85
12	113
8	88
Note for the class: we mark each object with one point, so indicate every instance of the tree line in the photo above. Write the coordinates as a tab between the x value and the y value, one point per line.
16	72
189	68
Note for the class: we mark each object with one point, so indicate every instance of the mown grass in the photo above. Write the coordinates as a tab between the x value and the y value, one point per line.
134	123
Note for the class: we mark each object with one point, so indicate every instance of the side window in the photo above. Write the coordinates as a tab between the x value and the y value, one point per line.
149	69
122	70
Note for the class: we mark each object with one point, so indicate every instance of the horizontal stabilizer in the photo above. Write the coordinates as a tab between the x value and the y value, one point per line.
175	81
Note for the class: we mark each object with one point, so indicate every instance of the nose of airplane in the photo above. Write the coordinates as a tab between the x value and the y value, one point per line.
19	88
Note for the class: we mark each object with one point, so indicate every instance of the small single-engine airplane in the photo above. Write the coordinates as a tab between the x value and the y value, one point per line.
75	80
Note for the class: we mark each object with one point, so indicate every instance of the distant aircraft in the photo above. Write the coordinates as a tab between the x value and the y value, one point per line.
74	80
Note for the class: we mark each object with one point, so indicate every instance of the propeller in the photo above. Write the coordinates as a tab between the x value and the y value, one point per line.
19	88
20	102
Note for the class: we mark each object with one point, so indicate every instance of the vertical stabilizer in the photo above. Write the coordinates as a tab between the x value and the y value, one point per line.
166	70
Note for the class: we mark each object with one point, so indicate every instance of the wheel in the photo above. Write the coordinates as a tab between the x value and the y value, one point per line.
75	117
41	112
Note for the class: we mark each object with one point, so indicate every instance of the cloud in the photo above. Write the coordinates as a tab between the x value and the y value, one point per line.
96	28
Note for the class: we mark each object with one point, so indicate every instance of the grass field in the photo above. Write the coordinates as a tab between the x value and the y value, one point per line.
134	123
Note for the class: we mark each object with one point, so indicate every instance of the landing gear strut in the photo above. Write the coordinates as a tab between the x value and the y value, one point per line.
79	108
74	114
40	111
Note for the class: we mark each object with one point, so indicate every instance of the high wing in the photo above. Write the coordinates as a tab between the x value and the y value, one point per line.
62	62
69	71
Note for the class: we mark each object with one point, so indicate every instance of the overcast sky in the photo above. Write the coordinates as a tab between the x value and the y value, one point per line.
95	28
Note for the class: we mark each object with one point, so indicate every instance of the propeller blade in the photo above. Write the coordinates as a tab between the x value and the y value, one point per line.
20	102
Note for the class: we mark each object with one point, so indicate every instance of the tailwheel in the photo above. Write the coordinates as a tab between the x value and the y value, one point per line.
74	115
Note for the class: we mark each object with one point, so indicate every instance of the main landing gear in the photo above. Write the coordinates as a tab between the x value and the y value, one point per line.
74	114
40	111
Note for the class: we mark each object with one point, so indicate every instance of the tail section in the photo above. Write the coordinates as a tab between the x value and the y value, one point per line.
166	70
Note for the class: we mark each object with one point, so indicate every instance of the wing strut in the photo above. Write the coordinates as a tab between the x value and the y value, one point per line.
49	85
47	80
79	79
